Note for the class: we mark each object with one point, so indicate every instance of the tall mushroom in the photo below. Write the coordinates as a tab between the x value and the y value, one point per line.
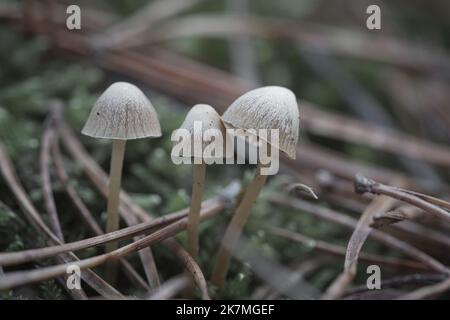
268	108
121	113
202	136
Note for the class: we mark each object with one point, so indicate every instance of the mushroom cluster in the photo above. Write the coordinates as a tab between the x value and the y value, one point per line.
123	112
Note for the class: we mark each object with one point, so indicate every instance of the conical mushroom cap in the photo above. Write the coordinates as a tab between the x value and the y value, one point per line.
269	108
208	117
122	112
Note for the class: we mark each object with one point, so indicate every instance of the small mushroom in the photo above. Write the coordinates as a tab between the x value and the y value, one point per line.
269	108
121	113
205	131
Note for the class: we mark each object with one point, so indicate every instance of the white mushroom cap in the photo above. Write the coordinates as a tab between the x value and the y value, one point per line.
269	108
208	117
122	112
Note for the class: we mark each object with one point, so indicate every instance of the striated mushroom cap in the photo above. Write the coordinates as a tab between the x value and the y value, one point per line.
269	108
122	112
208	118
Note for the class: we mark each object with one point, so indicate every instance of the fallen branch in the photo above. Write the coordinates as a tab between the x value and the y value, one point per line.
170	288
18	278
192	267
340	251
399	214
49	200
427	292
351	223
363	185
35	220
399	281
359	236
20	257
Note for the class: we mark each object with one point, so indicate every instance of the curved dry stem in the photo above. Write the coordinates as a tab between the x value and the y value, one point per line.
430	199
351	223
20	257
63	177
194	212
170	288
191	266
19	278
363	184
44	157
49	200
129	211
9	173
359	236
235	227
340	251
428	291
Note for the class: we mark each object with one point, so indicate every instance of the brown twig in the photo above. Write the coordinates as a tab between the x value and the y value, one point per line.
430	199
18	278
49	200
47	140
62	176
35	220
329	40
363	185
410	279
350	223
355	244
20	257
406	212
126	32
87	216
336	126
191	266
340	251
337	191
170	288
428	291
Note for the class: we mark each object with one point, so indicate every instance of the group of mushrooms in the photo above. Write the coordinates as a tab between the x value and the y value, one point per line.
123	112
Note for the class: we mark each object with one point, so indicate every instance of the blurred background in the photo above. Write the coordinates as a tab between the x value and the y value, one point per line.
375	102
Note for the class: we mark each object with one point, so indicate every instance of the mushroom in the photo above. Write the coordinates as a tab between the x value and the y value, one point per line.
202	133
121	113
269	108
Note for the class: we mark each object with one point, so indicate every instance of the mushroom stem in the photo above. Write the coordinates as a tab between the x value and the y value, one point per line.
194	212
235	227
112	222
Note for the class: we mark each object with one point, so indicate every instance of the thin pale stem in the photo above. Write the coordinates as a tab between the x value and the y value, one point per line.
194	212
235	227
112	222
